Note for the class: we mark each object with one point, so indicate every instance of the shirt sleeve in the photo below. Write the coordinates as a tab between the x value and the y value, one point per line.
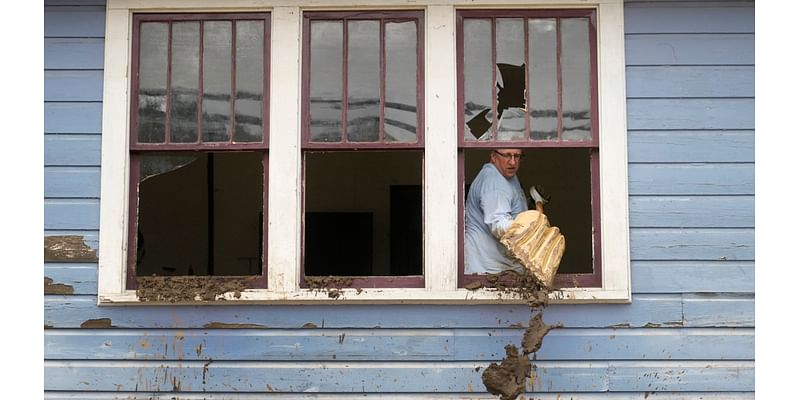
496	206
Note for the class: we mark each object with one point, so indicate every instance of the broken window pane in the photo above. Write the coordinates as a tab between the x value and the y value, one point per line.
200	214
249	81
325	97
510	78
363	81
543	82
575	73
400	112
216	81
185	81
152	95
478	83
363	213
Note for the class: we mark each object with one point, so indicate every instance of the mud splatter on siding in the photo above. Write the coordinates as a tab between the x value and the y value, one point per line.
508	378
97	323
56	288
68	249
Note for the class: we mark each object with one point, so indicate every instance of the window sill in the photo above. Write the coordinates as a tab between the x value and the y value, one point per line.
378	296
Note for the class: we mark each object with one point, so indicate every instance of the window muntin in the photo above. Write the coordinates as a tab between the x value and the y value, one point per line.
518	91
363	91
363	79
198	152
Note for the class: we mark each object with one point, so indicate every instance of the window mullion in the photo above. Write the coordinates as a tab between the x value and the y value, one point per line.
285	178
440	249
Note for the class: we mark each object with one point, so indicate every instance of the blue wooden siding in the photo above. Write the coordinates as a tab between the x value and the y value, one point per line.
688	333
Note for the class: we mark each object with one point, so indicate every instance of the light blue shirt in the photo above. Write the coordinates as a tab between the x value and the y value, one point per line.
492	204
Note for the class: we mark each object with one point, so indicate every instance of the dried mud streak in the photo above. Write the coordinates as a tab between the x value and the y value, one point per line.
508	378
535	333
175	289
68	249
56	288
333	285
97	323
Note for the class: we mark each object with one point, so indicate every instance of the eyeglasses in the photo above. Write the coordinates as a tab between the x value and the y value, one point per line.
509	157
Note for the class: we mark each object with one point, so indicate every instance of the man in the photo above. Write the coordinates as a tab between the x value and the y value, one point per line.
495	198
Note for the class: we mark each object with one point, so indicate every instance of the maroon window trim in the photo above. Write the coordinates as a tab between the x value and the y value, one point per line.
167	145
384	17
137	149
593	279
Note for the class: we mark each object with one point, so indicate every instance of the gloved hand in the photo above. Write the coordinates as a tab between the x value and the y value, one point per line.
537	197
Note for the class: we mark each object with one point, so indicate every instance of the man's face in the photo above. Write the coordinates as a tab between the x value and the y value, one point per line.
507	161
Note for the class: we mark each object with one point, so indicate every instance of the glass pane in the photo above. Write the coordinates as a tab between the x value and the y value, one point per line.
478	83
575	74
216	81
511	79
249	81
152	96
543	83
185	82
400	111
363	81
325	97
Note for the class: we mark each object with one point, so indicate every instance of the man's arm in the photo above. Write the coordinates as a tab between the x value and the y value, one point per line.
496	207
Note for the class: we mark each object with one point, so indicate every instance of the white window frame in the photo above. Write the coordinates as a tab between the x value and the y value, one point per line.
440	189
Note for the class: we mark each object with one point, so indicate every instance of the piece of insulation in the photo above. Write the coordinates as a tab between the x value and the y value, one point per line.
536	244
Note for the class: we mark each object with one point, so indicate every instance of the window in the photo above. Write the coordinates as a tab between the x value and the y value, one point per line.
363	209
332	143
198	146
528	79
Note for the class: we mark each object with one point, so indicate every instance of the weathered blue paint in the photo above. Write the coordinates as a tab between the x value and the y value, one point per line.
71	214
72	85
692	244
713	309
73	117
394	344
72	150
687	334
72	182
690	81
693	276
73	53
691	146
689	17
688	49
691	211
340	376
659	114
639	395
691	179
67	21
644	310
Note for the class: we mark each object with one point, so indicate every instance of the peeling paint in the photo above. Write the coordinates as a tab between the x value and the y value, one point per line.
97	323
56	288
309	325
71	248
